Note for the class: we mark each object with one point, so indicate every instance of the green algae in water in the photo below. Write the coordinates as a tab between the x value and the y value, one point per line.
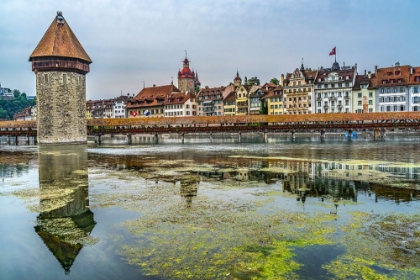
379	247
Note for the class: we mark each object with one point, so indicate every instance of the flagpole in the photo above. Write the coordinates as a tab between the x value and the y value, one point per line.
335	54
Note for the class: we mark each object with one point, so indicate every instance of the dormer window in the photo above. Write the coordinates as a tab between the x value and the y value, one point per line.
392	81
347	77
383	82
417	79
389	73
399	81
397	72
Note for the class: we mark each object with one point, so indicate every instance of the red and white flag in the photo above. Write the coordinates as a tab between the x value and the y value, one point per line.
333	51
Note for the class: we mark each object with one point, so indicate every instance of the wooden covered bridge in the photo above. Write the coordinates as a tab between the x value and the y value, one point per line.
322	123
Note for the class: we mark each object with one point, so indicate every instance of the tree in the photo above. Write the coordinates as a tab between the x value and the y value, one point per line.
253	81
275	81
10	107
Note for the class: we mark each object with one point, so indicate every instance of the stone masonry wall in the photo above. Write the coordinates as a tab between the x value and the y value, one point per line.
61	106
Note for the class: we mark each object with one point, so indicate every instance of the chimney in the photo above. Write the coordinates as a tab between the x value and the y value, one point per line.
376	69
411	70
365	72
282	80
369	74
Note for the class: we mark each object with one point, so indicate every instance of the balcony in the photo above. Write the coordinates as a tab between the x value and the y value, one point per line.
333	98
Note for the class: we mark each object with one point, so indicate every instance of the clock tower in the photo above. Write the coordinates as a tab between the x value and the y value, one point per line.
187	79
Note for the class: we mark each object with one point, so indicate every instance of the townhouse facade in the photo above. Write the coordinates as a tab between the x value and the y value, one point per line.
298	90
414	90
119	107
229	104
274	100
333	89
27	114
364	94
210	101
180	104
393	84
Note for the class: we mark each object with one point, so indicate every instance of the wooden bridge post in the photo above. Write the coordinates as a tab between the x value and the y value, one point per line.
350	134
383	133
265	136
240	136
376	134
183	137
322	134
156	138
98	139
129	139
293	135
211	136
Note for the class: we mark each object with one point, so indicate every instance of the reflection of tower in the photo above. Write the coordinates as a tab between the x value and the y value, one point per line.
189	187
64	219
60	64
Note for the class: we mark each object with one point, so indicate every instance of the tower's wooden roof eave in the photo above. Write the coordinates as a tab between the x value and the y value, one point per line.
60	41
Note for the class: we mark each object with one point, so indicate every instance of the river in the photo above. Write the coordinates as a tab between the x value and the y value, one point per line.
221	209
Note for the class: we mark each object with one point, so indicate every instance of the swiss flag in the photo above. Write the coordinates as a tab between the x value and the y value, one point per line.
333	51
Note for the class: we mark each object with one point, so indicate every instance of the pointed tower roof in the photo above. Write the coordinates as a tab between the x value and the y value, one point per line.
60	41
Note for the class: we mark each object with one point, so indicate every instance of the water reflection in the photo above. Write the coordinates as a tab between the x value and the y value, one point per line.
65	220
311	179
189	187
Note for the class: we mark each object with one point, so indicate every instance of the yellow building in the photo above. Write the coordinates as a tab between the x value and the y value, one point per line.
298	91
274	101
241	100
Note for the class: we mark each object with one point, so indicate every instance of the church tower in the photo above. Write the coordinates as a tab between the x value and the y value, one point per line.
60	64
186	77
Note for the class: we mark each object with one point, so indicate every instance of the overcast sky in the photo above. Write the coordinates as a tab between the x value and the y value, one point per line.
131	42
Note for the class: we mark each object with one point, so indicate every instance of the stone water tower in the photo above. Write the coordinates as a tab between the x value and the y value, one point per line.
60	64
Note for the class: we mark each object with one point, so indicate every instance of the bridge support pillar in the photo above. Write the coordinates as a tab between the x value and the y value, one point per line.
129	139
211	136
98	139
349	134
379	134
182	137
240	136
156	138
322	134
293	135
265	136
383	133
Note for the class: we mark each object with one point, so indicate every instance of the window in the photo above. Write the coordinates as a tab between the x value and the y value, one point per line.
359	103
383	82
370	102
359	95
415	90
370	94
340	85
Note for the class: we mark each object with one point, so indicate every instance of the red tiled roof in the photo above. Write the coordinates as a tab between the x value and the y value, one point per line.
60	41
152	96
415	77
393	76
177	98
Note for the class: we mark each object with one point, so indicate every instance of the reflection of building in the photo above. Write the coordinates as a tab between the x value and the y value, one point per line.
189	187
64	219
